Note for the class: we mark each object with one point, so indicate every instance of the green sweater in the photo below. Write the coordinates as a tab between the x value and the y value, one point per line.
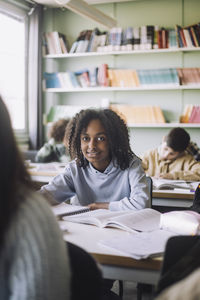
34	263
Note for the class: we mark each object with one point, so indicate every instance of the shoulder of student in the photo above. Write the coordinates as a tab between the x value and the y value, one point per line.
189	158
151	153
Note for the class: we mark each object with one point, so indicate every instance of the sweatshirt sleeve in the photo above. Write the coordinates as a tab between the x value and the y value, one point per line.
139	197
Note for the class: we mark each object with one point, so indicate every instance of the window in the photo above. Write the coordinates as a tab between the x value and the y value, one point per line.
13	62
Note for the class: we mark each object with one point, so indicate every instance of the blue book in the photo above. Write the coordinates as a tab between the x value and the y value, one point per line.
51	80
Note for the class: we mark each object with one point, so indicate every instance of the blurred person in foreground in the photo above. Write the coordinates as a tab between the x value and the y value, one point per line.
34	261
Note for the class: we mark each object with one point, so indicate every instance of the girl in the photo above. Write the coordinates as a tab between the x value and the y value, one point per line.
104	173
30	267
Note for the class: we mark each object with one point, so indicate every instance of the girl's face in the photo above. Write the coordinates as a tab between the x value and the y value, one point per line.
94	145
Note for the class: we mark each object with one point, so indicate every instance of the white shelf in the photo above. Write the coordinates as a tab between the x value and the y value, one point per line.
164	125
85	54
156	125
110	89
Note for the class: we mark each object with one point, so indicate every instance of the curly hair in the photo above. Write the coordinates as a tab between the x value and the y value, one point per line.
116	131
57	130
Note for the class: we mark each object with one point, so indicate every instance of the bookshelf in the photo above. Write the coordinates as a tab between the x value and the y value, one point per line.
112	89
85	54
172	99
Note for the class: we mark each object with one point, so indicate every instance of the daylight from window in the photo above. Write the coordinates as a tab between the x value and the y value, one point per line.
12	68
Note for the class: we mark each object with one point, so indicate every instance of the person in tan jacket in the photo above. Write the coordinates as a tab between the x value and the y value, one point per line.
171	160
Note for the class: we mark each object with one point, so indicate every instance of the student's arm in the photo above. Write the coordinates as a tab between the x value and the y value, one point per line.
139	197
189	170
59	189
145	162
149	162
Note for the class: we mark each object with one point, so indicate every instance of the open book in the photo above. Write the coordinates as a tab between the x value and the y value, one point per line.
141	220
141	245
181	222
159	184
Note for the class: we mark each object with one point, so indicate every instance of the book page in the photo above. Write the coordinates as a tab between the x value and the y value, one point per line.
142	220
140	245
172	184
98	217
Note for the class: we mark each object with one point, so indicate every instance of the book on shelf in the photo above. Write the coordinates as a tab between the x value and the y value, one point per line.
195	114
56	42
189	76
139	114
172	39
83	78
102	75
51	80
188	36
144	244
57	112
83	41
167	184
94	41
184	118
154	77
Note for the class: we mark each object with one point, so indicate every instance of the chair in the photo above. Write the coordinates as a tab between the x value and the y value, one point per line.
140	286
181	258
86	278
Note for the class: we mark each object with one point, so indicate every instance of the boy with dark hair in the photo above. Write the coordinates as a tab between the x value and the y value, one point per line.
171	160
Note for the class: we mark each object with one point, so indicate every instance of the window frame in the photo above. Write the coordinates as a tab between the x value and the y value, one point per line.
19	11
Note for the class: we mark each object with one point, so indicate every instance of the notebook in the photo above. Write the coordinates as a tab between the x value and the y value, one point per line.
65	209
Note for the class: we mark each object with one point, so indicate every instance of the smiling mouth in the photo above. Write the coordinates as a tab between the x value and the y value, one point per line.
92	154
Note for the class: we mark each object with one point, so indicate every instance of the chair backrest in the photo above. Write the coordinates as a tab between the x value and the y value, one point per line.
150	186
181	257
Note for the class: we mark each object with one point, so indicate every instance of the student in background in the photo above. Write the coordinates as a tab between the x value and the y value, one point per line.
171	160
33	257
104	173
54	149
194	150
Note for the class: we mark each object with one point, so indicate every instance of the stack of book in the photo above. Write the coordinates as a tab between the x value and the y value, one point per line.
139	114
189	76
102	76
54	43
188	36
191	114
145	37
150	77
123	78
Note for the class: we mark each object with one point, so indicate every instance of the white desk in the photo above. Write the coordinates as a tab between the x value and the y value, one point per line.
172	198
114	265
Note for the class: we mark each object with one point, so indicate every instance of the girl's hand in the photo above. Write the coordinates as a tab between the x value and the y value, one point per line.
102	205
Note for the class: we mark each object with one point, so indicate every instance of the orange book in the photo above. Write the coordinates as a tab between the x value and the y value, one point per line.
159	114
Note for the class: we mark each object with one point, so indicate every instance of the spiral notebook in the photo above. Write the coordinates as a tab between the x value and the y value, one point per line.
65	209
